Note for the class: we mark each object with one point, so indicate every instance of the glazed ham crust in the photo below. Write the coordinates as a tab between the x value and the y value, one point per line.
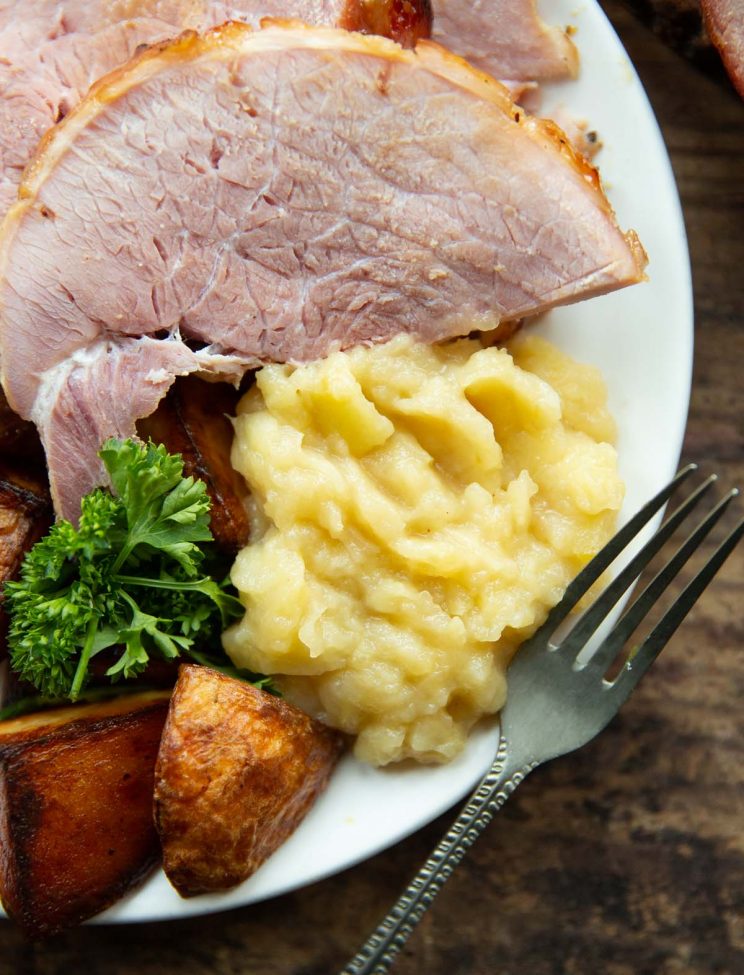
243	196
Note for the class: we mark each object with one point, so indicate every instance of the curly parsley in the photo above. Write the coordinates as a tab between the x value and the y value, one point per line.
132	577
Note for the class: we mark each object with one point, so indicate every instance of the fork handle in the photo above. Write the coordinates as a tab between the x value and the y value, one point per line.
379	951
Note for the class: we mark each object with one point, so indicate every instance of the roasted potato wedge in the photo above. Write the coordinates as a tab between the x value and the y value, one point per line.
238	770
192	421
25	515
76	829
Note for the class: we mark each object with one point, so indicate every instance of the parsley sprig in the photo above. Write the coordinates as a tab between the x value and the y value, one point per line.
132	576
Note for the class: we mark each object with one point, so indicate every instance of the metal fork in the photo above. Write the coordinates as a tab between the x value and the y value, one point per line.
557	703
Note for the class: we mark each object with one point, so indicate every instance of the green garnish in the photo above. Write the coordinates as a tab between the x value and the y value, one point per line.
131	577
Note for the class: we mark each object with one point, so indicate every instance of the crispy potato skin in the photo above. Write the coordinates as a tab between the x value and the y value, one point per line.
25	515
238	770
192	421
76	830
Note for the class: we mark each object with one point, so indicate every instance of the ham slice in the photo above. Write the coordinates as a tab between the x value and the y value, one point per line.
506	38
51	51
724	20
244	196
36	21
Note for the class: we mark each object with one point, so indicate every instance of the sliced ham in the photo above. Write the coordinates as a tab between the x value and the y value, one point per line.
51	51
40	20
42	81
249	196
506	38
724	20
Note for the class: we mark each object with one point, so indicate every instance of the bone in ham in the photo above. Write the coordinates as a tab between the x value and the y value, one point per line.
506	38
52	51
249	196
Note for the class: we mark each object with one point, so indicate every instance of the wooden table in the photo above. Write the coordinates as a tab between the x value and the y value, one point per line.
626	858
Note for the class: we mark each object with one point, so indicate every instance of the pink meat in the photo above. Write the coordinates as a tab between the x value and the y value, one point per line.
252	196
506	38
86	392
42	83
51	51
724	20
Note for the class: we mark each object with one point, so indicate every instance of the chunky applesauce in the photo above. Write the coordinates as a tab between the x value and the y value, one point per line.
418	510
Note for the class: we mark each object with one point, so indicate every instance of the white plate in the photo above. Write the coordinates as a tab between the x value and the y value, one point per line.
641	338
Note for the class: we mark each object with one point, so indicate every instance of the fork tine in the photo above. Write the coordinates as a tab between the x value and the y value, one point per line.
634	616
598	611
605	557
660	635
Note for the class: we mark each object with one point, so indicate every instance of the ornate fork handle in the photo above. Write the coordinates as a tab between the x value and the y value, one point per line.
378	953
577	701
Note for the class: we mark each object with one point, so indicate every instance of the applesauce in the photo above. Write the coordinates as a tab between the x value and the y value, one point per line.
417	511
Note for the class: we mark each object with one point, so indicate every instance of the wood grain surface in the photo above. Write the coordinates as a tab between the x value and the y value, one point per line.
626	858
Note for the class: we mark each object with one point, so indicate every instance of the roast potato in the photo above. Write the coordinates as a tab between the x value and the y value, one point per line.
76	828
192	421
238	770
25	515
